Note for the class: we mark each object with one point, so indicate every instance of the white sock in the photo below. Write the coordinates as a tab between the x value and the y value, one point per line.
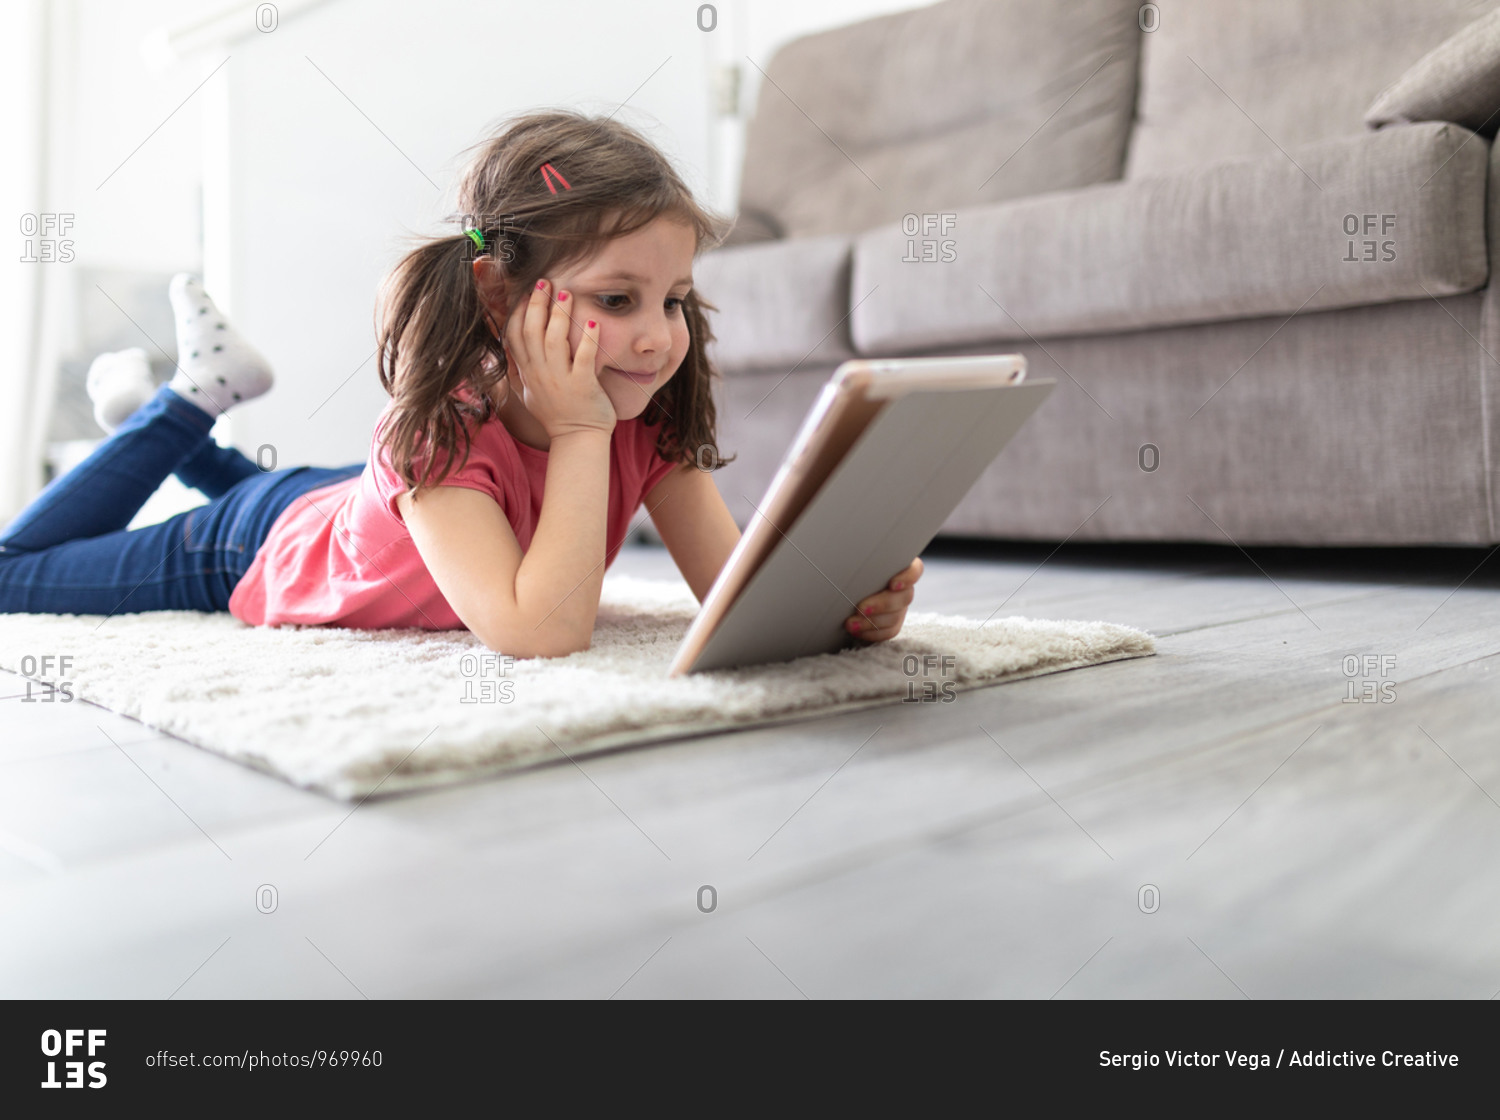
118	384
216	367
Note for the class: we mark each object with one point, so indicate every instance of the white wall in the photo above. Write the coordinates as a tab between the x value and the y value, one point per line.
267	180
292	203
131	140
316	200
63	148
22	191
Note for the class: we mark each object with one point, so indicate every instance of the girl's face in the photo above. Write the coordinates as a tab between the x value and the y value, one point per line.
634	286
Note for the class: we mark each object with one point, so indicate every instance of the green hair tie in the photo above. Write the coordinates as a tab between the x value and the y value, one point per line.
477	238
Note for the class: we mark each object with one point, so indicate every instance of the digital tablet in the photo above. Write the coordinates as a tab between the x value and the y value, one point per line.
887	452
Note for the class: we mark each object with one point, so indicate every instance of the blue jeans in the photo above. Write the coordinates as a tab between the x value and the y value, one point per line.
69	552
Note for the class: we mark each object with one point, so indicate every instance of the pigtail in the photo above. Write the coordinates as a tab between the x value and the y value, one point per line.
434	339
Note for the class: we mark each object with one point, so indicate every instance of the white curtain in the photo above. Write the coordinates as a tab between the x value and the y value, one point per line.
25	392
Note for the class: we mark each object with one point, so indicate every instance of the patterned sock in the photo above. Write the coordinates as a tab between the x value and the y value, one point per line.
119	383
216	367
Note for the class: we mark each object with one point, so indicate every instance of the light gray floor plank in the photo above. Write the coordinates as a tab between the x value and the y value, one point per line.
1363	870
929	859
34	728
1351	872
88	805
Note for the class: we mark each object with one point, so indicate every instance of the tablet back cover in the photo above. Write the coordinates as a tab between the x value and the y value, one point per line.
877	510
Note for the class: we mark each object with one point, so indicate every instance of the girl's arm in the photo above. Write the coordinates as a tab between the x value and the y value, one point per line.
538	604
699	532
694	524
542	603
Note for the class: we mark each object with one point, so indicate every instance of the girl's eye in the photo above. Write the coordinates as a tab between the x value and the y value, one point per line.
674	304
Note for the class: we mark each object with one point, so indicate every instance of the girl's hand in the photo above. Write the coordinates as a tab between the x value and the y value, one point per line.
560	389
880	616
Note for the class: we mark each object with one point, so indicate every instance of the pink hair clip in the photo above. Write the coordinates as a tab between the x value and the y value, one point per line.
548	168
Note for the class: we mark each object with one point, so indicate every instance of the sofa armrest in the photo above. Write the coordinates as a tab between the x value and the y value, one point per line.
1457	81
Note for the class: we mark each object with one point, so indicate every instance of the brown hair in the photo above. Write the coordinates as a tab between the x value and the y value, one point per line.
434	336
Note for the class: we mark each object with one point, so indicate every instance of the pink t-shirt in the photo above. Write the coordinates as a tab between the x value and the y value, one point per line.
342	555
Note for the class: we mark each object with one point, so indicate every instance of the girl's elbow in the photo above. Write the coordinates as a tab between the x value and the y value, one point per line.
519	642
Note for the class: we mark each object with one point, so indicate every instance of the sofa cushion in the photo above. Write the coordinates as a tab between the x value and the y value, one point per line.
780	303
1262	236
1227	78
956	104
1458	81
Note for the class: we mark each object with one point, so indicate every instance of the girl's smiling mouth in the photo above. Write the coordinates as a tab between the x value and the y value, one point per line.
643	378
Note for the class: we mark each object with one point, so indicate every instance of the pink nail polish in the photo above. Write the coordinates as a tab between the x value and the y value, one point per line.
561	296
856	626
897	586
541	284
591	324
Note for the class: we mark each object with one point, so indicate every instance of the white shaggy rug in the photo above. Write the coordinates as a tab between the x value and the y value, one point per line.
357	712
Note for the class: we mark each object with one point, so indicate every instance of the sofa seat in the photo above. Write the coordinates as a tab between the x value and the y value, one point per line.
780	303
1241	238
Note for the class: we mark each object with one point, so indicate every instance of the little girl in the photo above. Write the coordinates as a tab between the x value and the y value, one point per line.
547	375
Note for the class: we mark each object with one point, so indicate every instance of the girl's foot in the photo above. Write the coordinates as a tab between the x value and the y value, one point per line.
216	367
118	384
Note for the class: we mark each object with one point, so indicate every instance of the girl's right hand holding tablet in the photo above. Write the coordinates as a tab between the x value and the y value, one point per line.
559	386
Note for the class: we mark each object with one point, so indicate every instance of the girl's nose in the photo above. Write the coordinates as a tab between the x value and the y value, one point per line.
655	338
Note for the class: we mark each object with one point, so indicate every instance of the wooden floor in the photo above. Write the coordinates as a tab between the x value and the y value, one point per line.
1217	821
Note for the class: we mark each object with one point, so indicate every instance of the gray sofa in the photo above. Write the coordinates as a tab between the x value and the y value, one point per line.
1270	320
